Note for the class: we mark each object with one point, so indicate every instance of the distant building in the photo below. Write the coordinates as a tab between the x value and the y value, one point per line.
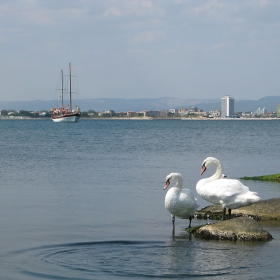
107	113
278	111
173	111
182	111
192	110
227	109
131	114
189	111
247	114
3	112
215	114
163	113
150	113
260	112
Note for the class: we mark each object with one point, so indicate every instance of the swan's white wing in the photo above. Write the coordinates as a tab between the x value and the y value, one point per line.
188	193
226	187
186	204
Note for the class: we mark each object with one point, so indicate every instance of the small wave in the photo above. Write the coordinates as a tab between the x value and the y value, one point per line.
116	259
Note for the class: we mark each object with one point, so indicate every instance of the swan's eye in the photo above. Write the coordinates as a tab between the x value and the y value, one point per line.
168	180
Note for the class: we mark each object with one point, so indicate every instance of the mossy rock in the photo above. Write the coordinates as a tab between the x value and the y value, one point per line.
268	209
268	178
241	228
193	229
212	212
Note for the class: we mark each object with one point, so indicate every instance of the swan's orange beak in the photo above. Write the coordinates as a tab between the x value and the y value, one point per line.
167	183
202	169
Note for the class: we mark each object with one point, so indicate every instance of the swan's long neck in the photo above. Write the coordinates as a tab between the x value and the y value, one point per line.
179	185
218	174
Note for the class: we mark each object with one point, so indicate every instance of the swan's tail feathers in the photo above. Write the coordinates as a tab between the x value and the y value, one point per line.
245	199
251	197
256	196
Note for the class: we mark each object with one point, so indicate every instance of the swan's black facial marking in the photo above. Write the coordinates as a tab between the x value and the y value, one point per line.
167	183
203	168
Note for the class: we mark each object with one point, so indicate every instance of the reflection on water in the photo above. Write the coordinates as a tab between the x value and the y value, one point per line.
181	257
270	223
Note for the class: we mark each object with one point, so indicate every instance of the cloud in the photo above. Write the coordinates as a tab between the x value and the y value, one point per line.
219	46
124	8
110	37
148	37
137	52
37	12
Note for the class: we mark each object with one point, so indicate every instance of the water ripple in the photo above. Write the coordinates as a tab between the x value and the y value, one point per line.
118	259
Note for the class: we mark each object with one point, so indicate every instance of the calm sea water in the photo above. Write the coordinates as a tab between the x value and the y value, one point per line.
85	200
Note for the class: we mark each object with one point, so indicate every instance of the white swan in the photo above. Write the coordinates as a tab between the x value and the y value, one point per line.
229	193
179	202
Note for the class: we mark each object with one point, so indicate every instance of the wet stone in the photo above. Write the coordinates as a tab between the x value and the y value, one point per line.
241	228
262	210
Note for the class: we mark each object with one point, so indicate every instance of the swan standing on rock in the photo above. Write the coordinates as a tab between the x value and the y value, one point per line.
229	193
179	202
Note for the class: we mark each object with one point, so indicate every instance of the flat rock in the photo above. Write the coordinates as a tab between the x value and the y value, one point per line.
242	228
262	210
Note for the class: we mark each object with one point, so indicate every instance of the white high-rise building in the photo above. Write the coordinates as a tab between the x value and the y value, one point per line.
227	109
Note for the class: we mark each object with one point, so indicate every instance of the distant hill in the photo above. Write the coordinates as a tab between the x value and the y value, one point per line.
119	104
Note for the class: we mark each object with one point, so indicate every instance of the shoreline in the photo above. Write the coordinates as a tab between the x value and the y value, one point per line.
147	119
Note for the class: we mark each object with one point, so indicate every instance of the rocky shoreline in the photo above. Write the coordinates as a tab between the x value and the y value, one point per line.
262	210
242	229
243	225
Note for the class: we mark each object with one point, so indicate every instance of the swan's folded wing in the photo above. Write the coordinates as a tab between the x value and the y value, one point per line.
228	187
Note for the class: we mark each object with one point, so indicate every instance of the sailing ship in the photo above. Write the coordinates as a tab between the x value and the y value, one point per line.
66	113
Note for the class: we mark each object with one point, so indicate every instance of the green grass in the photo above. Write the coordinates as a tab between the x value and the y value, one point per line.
193	229
270	178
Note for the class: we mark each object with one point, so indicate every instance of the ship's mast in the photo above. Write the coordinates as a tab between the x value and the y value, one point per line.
70	87
62	93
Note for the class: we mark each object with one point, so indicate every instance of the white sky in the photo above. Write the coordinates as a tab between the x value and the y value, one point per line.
140	48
